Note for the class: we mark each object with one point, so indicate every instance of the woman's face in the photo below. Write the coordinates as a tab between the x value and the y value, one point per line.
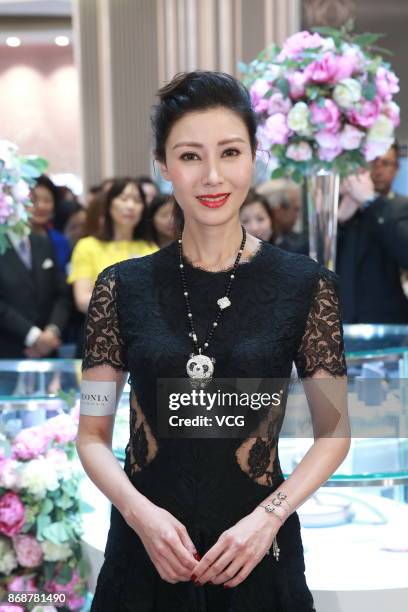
127	207
75	227
150	192
256	220
43	205
208	153
163	220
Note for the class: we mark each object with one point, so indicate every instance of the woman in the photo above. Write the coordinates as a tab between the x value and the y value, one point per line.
190	530
162	220
123	234
45	198
257	217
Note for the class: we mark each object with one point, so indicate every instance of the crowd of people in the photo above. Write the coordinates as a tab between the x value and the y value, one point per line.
46	280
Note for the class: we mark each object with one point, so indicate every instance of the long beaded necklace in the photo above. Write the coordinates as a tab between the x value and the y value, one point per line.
201	367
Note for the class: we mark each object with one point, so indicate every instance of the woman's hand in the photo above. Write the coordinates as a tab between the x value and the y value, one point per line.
238	550
167	543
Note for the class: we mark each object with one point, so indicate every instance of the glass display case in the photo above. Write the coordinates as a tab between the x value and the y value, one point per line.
357	520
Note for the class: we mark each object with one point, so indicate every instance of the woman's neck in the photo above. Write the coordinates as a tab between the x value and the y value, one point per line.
217	247
163	240
123	233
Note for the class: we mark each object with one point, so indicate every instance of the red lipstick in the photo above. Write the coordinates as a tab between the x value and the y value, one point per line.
214	200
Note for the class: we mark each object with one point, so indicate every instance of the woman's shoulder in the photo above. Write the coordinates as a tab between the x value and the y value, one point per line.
145	247
88	243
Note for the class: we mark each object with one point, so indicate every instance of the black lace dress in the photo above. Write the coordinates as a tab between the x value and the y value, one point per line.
285	309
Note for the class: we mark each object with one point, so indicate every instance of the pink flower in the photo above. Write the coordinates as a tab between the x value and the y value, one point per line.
30	442
295	44
386	83
257	92
392	111
301	151
276	129
9	477
323	70
329	145
11	609
28	550
327	115
350	137
12	514
376	148
73	589
279	104
345	66
5	206
22	583
61	428
297	84
58	458
365	114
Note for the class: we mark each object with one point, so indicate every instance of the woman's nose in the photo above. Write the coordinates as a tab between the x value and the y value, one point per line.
212	174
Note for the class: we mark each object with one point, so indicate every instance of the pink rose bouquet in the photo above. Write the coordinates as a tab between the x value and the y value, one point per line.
324	101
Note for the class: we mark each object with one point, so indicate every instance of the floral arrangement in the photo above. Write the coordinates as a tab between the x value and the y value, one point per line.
17	176
40	527
324	101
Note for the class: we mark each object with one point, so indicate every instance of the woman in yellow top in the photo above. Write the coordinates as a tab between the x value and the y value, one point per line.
124	234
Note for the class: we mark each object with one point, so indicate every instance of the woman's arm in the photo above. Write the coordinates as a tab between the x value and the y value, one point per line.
82	289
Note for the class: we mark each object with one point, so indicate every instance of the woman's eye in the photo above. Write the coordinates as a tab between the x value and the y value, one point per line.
234	151
187	156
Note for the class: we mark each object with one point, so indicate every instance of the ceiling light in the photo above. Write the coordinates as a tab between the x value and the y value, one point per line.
62	41
13	41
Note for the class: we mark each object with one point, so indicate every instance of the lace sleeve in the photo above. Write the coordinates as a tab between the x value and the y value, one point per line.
322	345
103	341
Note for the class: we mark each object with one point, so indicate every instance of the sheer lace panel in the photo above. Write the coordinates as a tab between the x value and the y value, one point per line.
322	345
103	342
256	455
142	444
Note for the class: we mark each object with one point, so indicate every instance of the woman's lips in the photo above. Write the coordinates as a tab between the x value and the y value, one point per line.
213	202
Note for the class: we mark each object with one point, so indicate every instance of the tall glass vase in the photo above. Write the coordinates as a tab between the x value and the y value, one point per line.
322	204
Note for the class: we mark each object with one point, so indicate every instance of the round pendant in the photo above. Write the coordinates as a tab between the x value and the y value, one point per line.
200	367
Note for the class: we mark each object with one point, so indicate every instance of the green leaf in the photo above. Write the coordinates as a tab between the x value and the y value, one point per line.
65	575
297	176
369	91
278	173
48	568
326	30
367	39
242	67
83	568
283	86
56	532
47	506
43	521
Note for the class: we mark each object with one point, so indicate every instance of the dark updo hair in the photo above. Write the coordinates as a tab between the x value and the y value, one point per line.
199	90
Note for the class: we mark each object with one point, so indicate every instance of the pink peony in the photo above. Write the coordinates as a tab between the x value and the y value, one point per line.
386	83
71	588
9	477
327	115
365	114
329	145
345	66
276	129
299	152
22	583
58	458
295	44
7	608
392	111
12	514
61	428
28	550
323	70
30	443
257	92
376	148
350	137
279	104
297	84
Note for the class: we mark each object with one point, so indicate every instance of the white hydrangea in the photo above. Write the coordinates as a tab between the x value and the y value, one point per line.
298	119
55	552
39	476
8	559
347	93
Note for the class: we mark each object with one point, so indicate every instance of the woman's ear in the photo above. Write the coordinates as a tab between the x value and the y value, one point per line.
164	170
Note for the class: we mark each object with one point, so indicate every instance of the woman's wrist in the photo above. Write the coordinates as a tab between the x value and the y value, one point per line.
135	507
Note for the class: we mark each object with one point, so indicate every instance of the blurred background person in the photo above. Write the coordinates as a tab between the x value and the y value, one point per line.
45	197
257	217
74	224
162	220
285	198
150	188
125	233
373	245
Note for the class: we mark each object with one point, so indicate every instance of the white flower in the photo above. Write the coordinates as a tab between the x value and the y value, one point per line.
8	559
301	151
298	119
347	93
273	73
9	474
8	151
382	129
39	476
20	191
55	552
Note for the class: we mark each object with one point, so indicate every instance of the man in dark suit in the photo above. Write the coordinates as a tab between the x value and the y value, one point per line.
35	301
373	245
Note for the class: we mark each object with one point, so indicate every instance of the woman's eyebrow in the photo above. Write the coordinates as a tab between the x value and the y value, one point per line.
199	145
